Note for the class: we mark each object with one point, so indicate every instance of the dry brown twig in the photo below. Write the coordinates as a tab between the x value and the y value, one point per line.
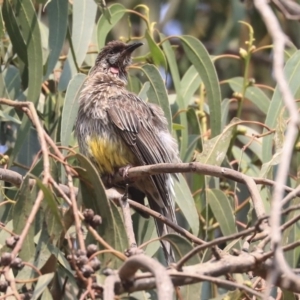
279	41
29	109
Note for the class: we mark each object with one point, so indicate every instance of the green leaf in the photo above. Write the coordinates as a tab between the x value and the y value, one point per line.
41	285
52	204
194	140
145	230
225	112
186	204
46	295
21	137
105	11
253	93
57	11
222	210
70	108
144	90
25	200
12	82
6	117
292	74
157	54
84	13
112	229
117	11
214	150
172	63
200	58
14	31
28	21
190	83
182	246
2	32
157	92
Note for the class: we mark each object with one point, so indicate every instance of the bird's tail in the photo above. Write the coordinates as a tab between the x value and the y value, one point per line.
163	229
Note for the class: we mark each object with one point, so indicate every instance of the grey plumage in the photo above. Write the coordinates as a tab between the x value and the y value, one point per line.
111	117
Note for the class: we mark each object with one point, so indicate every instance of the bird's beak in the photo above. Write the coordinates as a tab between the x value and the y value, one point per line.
131	47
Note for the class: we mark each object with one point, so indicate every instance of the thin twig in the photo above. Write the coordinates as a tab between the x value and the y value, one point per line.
104	244
128	222
279	41
221	282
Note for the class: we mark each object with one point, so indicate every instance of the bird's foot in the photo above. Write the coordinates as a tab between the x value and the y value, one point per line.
125	196
124	171
133	250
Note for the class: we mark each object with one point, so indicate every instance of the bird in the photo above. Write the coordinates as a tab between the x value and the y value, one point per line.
116	129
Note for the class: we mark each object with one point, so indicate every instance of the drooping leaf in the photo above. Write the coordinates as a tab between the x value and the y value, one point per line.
157	54
157	92
57	11
145	230
189	84
84	13
70	108
200	58
112	229
222	210
2	33
21	137
143	92
12	82
117	11
173	68
30	30
41	285
14	31
52	204
21	211
186	204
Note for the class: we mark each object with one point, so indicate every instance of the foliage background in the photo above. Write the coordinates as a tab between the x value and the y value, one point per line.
46	52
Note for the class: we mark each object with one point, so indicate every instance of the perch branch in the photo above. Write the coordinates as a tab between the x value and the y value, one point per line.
163	282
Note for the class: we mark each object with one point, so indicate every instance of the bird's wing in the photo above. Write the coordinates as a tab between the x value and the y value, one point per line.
133	120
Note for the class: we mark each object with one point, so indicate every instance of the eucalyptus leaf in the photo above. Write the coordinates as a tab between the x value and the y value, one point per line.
186	203
104	25
84	14
112	229
157	92
21	211
30	31
200	58
292	74
41	285
70	108
222	210
57	11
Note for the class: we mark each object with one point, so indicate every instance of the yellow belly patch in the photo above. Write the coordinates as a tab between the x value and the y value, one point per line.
108	155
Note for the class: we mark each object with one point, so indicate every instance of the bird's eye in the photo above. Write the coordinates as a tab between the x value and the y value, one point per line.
115	50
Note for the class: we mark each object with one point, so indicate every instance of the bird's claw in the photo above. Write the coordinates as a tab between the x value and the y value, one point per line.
124	171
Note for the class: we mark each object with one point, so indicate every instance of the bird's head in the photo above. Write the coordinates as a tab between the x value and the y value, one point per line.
114	58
